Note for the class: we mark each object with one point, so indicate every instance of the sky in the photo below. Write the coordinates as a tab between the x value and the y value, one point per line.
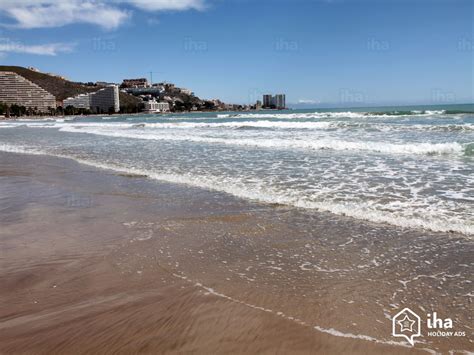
334	53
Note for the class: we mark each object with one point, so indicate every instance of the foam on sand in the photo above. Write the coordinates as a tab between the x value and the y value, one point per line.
359	210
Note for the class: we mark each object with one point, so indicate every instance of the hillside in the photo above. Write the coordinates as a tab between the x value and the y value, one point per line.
61	88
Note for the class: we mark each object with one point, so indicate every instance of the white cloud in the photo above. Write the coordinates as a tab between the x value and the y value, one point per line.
7	46
308	101
108	14
52	13
163	5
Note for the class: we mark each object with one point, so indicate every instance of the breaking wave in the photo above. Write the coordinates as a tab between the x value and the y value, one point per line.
304	144
257	124
345	114
360	210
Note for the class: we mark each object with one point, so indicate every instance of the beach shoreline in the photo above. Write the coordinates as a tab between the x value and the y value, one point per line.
100	261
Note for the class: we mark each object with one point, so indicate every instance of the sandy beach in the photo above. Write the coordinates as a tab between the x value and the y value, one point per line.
97	261
236	177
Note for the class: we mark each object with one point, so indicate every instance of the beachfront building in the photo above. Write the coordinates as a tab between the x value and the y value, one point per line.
277	102
102	101
105	100
17	90
154	106
80	101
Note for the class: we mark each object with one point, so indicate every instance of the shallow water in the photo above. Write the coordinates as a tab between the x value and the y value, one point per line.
411	168
73	235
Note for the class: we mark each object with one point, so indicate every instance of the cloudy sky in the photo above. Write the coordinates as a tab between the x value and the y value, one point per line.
332	52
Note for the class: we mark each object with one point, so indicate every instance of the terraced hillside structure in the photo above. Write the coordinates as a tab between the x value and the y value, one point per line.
15	89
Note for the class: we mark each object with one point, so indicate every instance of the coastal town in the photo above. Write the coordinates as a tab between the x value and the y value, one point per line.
30	92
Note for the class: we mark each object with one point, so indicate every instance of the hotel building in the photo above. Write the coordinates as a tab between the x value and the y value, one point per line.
101	101
15	89
79	101
153	106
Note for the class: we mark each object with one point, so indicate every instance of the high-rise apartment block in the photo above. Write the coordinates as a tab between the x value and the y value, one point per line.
102	101
17	90
276	102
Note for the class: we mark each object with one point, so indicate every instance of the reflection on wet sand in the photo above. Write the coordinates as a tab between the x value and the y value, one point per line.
96	262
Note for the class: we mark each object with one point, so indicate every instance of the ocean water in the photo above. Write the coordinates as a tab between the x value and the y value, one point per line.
411	167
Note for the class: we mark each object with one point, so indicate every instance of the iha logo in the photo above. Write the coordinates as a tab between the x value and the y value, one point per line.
440	327
406	324
435	322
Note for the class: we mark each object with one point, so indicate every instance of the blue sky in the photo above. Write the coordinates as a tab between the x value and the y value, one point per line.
320	53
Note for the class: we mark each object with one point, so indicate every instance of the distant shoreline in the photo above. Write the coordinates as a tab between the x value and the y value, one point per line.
316	109
2	118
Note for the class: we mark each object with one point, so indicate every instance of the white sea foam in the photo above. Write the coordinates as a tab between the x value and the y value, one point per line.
267	194
24	150
280	314
257	124
141	131
306	125
283	143
346	114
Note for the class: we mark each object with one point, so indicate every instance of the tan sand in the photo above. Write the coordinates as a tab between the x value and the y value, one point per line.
95	262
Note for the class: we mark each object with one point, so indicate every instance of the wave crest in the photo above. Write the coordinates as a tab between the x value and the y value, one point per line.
275	143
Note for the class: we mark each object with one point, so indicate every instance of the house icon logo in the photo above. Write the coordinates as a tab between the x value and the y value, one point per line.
406	324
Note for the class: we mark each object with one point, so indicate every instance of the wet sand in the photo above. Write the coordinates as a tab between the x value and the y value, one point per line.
94	261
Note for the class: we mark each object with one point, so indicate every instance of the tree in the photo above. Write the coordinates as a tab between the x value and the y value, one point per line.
209	105
3	108
69	110
17	110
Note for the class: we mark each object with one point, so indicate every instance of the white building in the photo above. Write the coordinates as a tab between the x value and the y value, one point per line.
105	100
79	101
101	101
186	91
153	106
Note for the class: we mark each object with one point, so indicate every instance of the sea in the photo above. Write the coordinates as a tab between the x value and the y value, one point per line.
411	167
